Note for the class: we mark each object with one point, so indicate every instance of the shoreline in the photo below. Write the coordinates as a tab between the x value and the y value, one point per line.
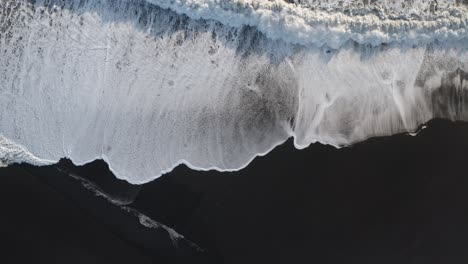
396	199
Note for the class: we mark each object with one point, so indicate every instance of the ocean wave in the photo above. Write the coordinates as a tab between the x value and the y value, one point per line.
145	88
333	23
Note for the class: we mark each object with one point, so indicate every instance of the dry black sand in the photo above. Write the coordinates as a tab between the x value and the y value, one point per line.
399	199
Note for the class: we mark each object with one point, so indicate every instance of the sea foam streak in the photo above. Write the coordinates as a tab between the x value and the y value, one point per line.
213	84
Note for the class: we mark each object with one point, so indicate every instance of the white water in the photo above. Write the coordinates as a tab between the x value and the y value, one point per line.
146	88
384	22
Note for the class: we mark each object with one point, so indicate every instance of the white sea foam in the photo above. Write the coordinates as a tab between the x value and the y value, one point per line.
145	88
11	152
342	21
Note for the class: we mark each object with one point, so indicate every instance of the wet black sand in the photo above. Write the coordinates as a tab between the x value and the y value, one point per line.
39	225
398	199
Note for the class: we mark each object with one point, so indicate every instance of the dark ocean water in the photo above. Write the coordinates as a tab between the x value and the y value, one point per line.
398	199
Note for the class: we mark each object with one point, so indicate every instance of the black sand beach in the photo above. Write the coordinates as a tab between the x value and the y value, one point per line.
398	199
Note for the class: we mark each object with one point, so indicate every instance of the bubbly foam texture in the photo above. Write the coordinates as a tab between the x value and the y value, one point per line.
308	22
11	152
146	88
398	8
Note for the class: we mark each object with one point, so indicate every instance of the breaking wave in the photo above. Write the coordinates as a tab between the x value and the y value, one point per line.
334	23
147	85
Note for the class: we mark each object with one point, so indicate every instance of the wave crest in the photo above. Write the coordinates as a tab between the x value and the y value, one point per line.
309	23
